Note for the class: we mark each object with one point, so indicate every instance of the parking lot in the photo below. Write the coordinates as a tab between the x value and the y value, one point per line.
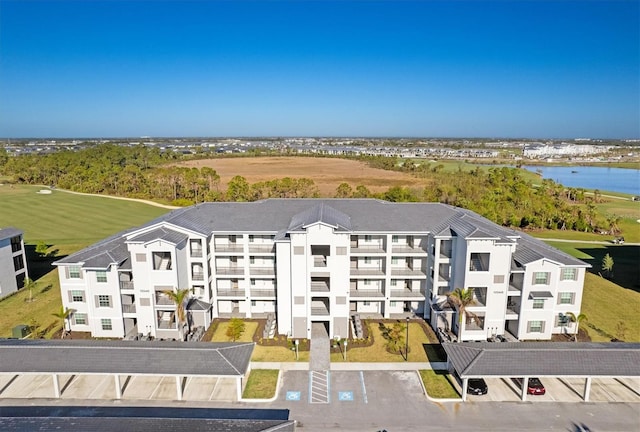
564	390
139	387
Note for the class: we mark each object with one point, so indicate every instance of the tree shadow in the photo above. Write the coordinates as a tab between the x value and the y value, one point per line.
626	271
39	265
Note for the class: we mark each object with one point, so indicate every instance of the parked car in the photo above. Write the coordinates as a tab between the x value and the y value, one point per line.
477	386
534	386
618	240
501	338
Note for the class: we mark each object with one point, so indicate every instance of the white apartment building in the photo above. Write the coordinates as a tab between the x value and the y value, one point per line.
321	261
13	261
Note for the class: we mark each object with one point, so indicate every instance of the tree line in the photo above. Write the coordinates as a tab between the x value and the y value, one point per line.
500	194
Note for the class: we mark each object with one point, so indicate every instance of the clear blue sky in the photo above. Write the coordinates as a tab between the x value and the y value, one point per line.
320	68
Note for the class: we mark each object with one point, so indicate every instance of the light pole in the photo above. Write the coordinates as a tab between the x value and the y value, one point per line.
345	349
297	343
406	348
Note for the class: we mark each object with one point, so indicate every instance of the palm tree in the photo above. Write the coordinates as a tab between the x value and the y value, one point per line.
607	265
462	298
178	297
64	315
576	319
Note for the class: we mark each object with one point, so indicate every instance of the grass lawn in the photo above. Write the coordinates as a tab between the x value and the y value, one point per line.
419	345
438	384
68	223
262	384
220	334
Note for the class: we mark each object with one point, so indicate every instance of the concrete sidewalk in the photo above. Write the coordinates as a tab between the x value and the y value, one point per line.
354	366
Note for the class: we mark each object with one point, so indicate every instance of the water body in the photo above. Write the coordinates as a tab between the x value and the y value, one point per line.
621	180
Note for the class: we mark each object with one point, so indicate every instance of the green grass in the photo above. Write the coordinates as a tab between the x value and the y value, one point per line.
438	384
262	384
68	223
220	334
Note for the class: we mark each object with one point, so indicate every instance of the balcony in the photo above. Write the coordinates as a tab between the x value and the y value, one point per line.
366	293
232	270
163	299
233	292
320	286
128	308
126	285
319	261
406	271
229	248
367	249
444	277
265	271
166	321
367	271
319	307
407	249
407	293
196	253
197	276
261	248
263	292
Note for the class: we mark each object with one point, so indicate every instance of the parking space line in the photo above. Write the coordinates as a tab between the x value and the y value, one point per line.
364	388
215	386
319	387
156	389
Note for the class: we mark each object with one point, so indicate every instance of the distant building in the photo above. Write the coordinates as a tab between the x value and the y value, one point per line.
13	261
322	262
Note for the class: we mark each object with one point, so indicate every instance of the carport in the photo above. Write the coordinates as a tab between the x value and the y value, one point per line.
543	359
181	360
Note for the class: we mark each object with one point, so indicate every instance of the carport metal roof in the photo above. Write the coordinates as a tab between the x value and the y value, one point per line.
125	357
518	359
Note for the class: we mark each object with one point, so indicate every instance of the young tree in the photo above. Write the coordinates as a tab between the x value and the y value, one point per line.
65	316
29	284
395	337
607	265
235	329
41	250
576	319
178	297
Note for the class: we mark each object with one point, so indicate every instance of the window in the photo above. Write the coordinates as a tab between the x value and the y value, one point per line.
251	238
392	304
366	303
106	324
367	282
393	282
535	326
569	274
16	244
394	239
101	276
18	263
367	260
562	320
252	260
104	301
253	302
541	278
162	260
565	298
394	260
73	272
77	296
80	318
367	238
538	303
479	262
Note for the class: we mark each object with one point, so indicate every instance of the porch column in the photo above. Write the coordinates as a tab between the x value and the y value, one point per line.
587	388
465	385
523	390
116	379
56	385
239	387
179	387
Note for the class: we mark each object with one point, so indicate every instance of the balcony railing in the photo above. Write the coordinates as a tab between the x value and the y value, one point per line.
126	285
129	308
319	287
367	271
261	248
319	261
262	270
443	277
237	270
366	293
406	271
229	248
263	292
407	249
320	311
196	253
407	293
230	292
162	299
167	325
368	249
197	276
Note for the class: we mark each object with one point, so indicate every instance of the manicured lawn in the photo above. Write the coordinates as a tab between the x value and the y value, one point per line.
263	353
438	384
419	344
68	223
262	384
220	334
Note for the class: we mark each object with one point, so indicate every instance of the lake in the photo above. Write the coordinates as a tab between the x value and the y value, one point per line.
603	178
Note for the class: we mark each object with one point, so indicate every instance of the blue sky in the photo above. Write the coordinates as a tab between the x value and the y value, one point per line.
117	68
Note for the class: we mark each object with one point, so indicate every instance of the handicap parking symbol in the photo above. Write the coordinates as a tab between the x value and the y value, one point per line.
345	396
293	395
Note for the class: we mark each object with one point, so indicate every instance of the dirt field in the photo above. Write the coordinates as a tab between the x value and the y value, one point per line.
326	173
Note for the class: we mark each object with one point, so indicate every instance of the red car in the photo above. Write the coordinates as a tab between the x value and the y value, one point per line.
534	386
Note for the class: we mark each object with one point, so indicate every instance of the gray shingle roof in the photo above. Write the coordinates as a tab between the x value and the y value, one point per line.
518	359
9	232
166	234
111	250
321	213
124	357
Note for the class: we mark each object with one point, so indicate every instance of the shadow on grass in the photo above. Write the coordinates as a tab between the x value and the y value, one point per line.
435	353
626	271
38	265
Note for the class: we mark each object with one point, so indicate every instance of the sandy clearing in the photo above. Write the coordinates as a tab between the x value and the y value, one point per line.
327	173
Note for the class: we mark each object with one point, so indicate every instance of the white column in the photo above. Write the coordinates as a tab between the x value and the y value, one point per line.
116	379
587	388
179	387
465	386
56	385
523	390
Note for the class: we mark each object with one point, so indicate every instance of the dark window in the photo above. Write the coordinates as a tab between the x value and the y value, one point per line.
18	262
16	244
